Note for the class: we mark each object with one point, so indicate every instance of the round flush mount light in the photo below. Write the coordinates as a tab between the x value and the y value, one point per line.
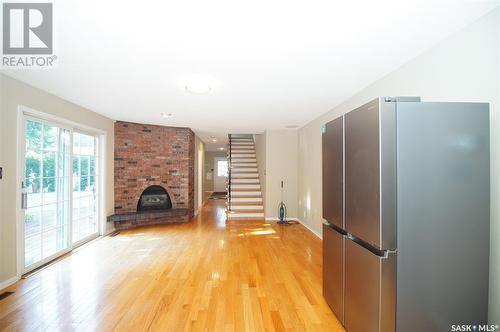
214	140
222	149
199	84
166	115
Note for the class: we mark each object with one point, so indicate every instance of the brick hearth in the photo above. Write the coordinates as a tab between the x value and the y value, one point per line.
147	155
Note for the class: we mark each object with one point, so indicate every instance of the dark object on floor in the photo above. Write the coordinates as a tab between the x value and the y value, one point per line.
282	209
115	233
218	195
5	294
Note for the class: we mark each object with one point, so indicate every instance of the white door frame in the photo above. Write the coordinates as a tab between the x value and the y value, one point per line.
219	186
23	114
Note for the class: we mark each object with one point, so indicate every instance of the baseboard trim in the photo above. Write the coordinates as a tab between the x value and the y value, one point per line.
273	219
310	229
8	282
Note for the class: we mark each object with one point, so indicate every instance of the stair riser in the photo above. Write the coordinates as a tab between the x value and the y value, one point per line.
245	193
235	156
238	181
244	175
244	170
246	161
245	186
245	215
247	207
244	167
235	200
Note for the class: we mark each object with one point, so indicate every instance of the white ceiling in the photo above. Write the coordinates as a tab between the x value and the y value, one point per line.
278	63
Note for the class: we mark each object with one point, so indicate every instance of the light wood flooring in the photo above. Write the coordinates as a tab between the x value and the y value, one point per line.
202	276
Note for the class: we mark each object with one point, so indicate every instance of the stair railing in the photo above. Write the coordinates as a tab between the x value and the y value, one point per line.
229	166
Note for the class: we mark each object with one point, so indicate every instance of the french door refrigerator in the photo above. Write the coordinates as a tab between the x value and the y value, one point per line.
406	198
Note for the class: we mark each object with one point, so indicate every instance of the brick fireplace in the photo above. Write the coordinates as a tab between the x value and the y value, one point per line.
148	156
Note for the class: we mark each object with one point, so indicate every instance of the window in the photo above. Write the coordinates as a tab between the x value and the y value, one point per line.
222	168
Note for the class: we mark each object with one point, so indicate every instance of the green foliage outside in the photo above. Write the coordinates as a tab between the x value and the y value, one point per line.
46	155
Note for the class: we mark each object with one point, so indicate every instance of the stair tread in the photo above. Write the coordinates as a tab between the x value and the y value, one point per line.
233	211
242	189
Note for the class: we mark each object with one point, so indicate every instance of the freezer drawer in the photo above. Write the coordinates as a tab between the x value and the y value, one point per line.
370	290
333	172
333	270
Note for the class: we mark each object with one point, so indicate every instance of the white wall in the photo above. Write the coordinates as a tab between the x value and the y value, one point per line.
199	171
464	67
281	165
12	94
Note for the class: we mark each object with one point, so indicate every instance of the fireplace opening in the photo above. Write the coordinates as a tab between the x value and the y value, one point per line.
154	198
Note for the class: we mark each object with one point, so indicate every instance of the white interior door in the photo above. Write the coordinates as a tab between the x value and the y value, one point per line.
220	174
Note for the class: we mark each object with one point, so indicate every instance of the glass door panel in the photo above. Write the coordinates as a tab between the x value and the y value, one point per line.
85	193
47	179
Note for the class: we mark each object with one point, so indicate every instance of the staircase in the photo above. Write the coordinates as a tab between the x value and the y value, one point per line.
244	193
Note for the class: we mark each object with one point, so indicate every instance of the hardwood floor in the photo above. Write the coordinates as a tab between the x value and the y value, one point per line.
204	275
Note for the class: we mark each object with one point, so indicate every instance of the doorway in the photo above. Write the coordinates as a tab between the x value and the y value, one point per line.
60	196
220	174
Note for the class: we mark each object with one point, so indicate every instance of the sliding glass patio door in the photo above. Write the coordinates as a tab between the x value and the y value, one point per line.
56	218
85	193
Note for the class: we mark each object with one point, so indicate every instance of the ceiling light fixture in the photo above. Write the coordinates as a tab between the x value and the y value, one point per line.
199	84
222	149
214	140
166	115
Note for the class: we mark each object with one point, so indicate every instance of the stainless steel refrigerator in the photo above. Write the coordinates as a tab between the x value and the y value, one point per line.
406	197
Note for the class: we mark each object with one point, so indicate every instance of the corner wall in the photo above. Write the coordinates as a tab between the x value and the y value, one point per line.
12	94
281	165
464	67
199	171
147	155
